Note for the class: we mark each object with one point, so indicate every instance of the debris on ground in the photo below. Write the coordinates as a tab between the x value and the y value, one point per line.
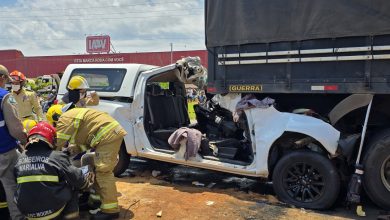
210	203
196	183
159	214
211	185
175	192
359	211
156	173
93	212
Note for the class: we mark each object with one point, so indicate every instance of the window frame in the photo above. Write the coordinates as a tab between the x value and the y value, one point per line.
79	71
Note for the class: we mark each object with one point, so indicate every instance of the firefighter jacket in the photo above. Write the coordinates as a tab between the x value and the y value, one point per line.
85	128
46	181
28	105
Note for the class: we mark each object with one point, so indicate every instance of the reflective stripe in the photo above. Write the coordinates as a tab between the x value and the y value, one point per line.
76	124
51	216
103	131
37	178
94	196
72	215
73	138
79	116
109	206
63	136
3	205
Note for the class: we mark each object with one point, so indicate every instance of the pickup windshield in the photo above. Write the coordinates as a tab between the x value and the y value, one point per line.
105	80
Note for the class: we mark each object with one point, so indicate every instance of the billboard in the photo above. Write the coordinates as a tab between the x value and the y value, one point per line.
98	44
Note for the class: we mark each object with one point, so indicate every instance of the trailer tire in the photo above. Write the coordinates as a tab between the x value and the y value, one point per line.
377	170
306	179
123	161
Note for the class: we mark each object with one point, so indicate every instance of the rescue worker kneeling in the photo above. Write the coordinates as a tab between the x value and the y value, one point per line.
47	183
80	129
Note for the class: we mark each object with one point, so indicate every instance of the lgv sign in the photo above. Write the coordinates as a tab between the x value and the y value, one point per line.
98	44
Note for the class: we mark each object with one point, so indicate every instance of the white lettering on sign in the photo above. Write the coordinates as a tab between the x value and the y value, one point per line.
100	60
97	44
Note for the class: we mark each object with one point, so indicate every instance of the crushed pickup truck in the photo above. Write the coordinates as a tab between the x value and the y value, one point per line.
302	154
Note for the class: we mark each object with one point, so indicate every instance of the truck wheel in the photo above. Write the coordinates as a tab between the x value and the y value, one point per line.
123	161
376	179
306	179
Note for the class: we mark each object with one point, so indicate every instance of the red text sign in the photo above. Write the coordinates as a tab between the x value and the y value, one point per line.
98	44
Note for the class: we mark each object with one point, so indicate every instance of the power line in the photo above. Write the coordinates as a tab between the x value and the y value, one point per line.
107	6
70	39
106	18
117	13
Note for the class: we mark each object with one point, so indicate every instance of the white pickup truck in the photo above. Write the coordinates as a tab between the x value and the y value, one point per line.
299	153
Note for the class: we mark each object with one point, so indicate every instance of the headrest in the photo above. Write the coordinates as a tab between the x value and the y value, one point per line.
155	90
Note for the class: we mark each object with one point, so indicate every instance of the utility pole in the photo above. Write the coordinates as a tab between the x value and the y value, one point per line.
171	52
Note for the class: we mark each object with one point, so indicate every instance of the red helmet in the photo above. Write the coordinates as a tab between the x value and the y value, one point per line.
17	76
45	130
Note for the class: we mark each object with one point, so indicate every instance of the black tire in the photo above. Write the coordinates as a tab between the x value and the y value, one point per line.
306	179
376	162
123	161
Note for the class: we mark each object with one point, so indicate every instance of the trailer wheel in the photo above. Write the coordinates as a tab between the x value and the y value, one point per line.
306	179
376	179
123	161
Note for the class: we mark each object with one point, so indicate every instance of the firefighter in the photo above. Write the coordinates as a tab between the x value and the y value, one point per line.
47	175
11	130
79	129
77	93
28	103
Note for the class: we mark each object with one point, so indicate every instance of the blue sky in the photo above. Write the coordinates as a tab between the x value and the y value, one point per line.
48	27
7	2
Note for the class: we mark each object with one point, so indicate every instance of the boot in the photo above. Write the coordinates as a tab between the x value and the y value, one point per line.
105	216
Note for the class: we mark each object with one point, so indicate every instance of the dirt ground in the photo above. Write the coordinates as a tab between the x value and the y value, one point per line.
143	198
173	195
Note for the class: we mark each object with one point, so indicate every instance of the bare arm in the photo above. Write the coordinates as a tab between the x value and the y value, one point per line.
93	99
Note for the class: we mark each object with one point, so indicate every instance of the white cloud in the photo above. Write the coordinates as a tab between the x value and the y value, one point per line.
59	27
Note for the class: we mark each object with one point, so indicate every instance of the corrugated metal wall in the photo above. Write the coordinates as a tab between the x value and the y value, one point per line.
41	65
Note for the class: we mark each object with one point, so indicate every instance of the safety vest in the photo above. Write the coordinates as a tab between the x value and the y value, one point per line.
7	142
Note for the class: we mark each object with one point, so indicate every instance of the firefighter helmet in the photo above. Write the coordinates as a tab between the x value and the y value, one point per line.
17	76
28	124
54	113
43	131
78	82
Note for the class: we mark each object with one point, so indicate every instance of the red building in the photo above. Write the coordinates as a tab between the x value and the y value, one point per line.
42	65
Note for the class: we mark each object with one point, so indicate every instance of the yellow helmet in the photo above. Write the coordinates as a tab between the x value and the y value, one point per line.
28	124
54	113
78	82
